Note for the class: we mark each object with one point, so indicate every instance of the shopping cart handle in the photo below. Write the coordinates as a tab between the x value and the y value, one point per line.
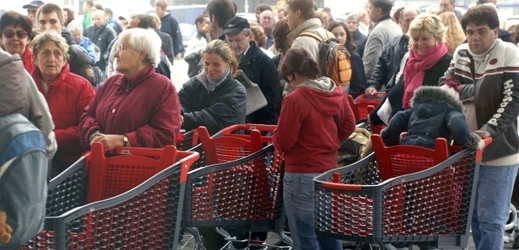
479	152
341	186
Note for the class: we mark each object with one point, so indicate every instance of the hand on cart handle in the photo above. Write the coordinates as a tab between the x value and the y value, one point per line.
482	133
110	142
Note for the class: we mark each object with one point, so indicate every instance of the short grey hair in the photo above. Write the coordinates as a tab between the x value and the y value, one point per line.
353	16
246	31
146	40
75	26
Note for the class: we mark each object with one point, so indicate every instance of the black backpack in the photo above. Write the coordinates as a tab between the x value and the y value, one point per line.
23	178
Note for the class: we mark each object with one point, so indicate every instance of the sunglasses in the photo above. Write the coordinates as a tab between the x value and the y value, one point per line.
21	34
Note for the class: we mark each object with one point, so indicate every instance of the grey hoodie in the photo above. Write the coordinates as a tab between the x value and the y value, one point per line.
18	93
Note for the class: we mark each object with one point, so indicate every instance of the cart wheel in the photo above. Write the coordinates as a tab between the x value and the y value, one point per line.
516	242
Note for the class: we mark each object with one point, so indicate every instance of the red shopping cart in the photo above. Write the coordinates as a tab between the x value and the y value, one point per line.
147	186
362	103
242	187
431	207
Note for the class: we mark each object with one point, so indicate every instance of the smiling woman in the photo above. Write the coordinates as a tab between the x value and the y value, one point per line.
16	30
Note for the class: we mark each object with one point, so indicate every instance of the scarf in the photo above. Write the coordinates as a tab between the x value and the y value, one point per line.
415	68
211	84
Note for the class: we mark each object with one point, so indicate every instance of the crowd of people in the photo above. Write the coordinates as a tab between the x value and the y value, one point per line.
109	81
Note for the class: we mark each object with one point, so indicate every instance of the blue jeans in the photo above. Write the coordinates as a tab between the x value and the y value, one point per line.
298	197
492	205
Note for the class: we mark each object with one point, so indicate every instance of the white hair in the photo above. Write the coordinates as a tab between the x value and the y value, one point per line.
146	40
75	25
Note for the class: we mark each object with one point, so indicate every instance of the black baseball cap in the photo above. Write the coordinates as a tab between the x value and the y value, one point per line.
235	25
35	4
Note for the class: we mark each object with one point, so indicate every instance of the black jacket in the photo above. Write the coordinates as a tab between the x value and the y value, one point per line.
358	77
224	106
360	40
389	63
169	25
102	38
79	61
396	93
167	45
260	69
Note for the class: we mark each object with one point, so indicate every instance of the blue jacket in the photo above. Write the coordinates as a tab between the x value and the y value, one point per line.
260	69
169	25
434	113
89	47
358	82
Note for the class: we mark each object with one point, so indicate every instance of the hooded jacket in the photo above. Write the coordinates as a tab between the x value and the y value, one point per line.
314	119
434	113
170	26
224	106
309	43
18	93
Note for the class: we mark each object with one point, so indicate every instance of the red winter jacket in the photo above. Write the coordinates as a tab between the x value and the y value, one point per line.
27	60
145	107
314	119
67	96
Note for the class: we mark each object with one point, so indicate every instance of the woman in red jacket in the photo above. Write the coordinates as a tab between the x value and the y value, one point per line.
138	108
314	119
16	31
66	93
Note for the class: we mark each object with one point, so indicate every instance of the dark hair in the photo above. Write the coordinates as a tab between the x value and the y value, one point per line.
305	6
480	14
200	18
146	21
384	5
299	61
70	16
284	11
98	6
109	11
49	8
349	44
222	10
262	7
89	3
13	18
398	14
280	35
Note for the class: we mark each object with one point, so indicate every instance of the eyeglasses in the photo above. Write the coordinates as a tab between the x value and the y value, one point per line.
21	34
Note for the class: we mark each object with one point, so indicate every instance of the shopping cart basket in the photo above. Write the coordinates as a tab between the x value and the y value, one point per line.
147	216
432	207
245	193
362	103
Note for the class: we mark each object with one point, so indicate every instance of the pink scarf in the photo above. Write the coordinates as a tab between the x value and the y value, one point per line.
415	68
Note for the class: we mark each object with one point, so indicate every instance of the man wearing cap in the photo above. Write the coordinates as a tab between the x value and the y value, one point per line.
32	8
258	67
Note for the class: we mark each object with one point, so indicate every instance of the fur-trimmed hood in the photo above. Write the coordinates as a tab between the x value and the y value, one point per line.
437	98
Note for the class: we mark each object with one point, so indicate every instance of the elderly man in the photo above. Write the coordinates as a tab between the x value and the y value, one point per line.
449	6
352	22
267	22
32	8
101	35
381	32
485	71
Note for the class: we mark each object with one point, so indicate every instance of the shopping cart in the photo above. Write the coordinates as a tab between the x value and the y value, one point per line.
429	208
242	186
362	103
135	203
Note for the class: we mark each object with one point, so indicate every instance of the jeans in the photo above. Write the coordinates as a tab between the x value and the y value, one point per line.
492	205
298	197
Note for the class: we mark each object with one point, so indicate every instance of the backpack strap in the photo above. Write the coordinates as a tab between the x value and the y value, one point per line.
312	34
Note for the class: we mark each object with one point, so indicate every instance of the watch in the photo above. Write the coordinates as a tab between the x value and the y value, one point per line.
125	140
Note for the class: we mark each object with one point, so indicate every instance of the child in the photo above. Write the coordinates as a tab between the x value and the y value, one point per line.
435	112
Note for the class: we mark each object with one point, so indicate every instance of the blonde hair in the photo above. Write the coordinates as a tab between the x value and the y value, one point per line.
259	35
156	17
49	36
323	17
454	35
427	24
222	49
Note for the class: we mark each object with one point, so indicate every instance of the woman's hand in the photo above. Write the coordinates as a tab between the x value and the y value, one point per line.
370	91
110	142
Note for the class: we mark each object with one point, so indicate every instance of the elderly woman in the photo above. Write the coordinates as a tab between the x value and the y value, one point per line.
76	29
213	98
426	61
358	77
137	108
16	30
67	94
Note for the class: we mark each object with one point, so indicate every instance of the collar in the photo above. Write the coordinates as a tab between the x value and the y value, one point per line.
36	75
482	56
383	18
310	24
127	84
